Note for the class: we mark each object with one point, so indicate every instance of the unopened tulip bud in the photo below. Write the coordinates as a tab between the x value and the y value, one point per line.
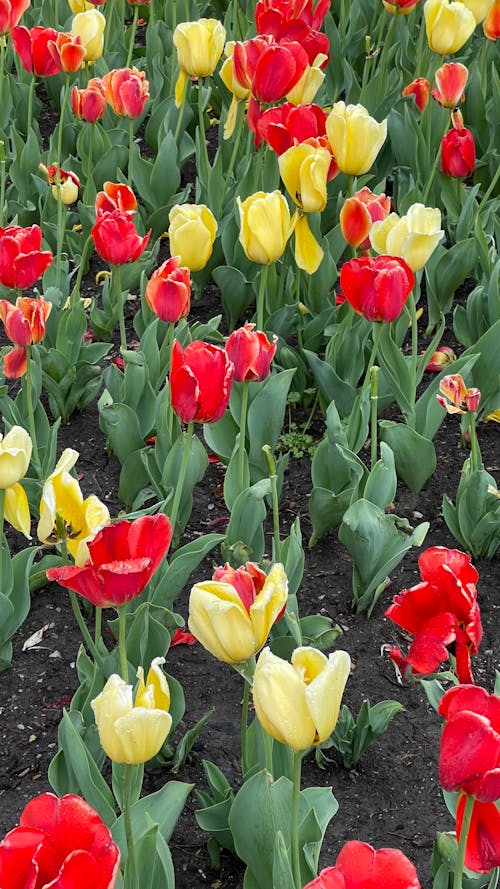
472	399
440	359
420	90
458	153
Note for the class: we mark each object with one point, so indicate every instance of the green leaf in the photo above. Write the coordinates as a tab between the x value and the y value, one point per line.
182	563
414	455
163	808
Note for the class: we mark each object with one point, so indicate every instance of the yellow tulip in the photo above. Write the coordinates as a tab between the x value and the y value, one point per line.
15	456
479	8
355	137
17	511
304	170
225	627
265	226
77	6
305	90
65	515
234	87
413	237
89	26
448	25
199	47
298	703
192	234
134	732
308	253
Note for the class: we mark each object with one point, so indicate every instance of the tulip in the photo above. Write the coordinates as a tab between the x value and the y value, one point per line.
127	91
450	80
24	324
360	866
201	377
134	731
479	8
377	287
440	612
285	125
89	26
491	24
304	170
449	24
191	233
355	137
482	850
77	6
458	153
168	291
62	182
298	703
115	196
239	93
10	13
269	69
123	558
455	397
251	353
89	104
304	91
33	50
22	261
59	842
15	456
67	52
440	359
419	89
358	214
271	16
469	759
199	47
65	515
414	237
265	226
400	7
232	617
116	238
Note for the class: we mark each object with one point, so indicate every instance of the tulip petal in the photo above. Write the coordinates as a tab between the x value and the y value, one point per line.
308	253
17	511
482	851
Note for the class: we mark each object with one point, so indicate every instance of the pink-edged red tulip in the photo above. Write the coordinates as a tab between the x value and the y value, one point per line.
285	125
123	558
360	866
24	325
491	24
450	82
22	261
32	47
201	377
482	849
67	52
116	196
251	353
469	759
358	214
441	613
420	90
59	842
267	68
116	238
377	287
127	91
10	13
168	291
458	153
89	104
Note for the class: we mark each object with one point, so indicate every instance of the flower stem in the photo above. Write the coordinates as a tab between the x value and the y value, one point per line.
131	882
133	30
273	478
122	642
75	293
244	728
86	192
30	105
182	475
435	165
87	638
261	297
31	413
377	328
489	190
204	162
459	867
414	356
242	440
2	182
240	119
117	302
2	515
475	453
294	832
131	144
373	414
180	116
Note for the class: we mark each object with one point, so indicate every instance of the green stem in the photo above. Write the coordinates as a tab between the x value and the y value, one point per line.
180	116
131	148
268	752
377	328
122	642
87	638
87	198
420	48
373	414
31	413
294	831
3	49
261	297
204	162
117	302
133	30
97	626
414	356
459	867
131	882
273	478
2	515
30	105
2	182
387	45
242	440
75	293
435	165
240	120
173	59
475	454
182	475
244	728
489	190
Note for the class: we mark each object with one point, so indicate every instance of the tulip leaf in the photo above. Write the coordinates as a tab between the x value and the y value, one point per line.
414	455
237	293
265	419
120	425
15	597
396	369
381	483
330	385
175	575
162	807
245	533
282	870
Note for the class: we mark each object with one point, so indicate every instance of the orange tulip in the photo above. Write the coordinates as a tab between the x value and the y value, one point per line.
450	81
358	215
419	89
127	91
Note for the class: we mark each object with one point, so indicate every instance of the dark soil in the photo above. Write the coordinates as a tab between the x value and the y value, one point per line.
393	797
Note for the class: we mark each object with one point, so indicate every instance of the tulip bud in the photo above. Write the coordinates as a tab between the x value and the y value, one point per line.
419	89
199	47
355	137
89	26
127	91
458	153
265	226
62	181
191	233
304	170
440	359
89	104
472	399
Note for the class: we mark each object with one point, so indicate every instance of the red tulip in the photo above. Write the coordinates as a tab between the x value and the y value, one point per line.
482	849
358	214
377	287
267	68
314	42
469	759
285	125
10	13
420	89
440	612
127	91
251	353
60	843
450	80
67	52
123	558
22	261
441	358
25	322
116	196
116	238
32	46
360	866
89	104
168	291
458	153
491	24
272	15
201	377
